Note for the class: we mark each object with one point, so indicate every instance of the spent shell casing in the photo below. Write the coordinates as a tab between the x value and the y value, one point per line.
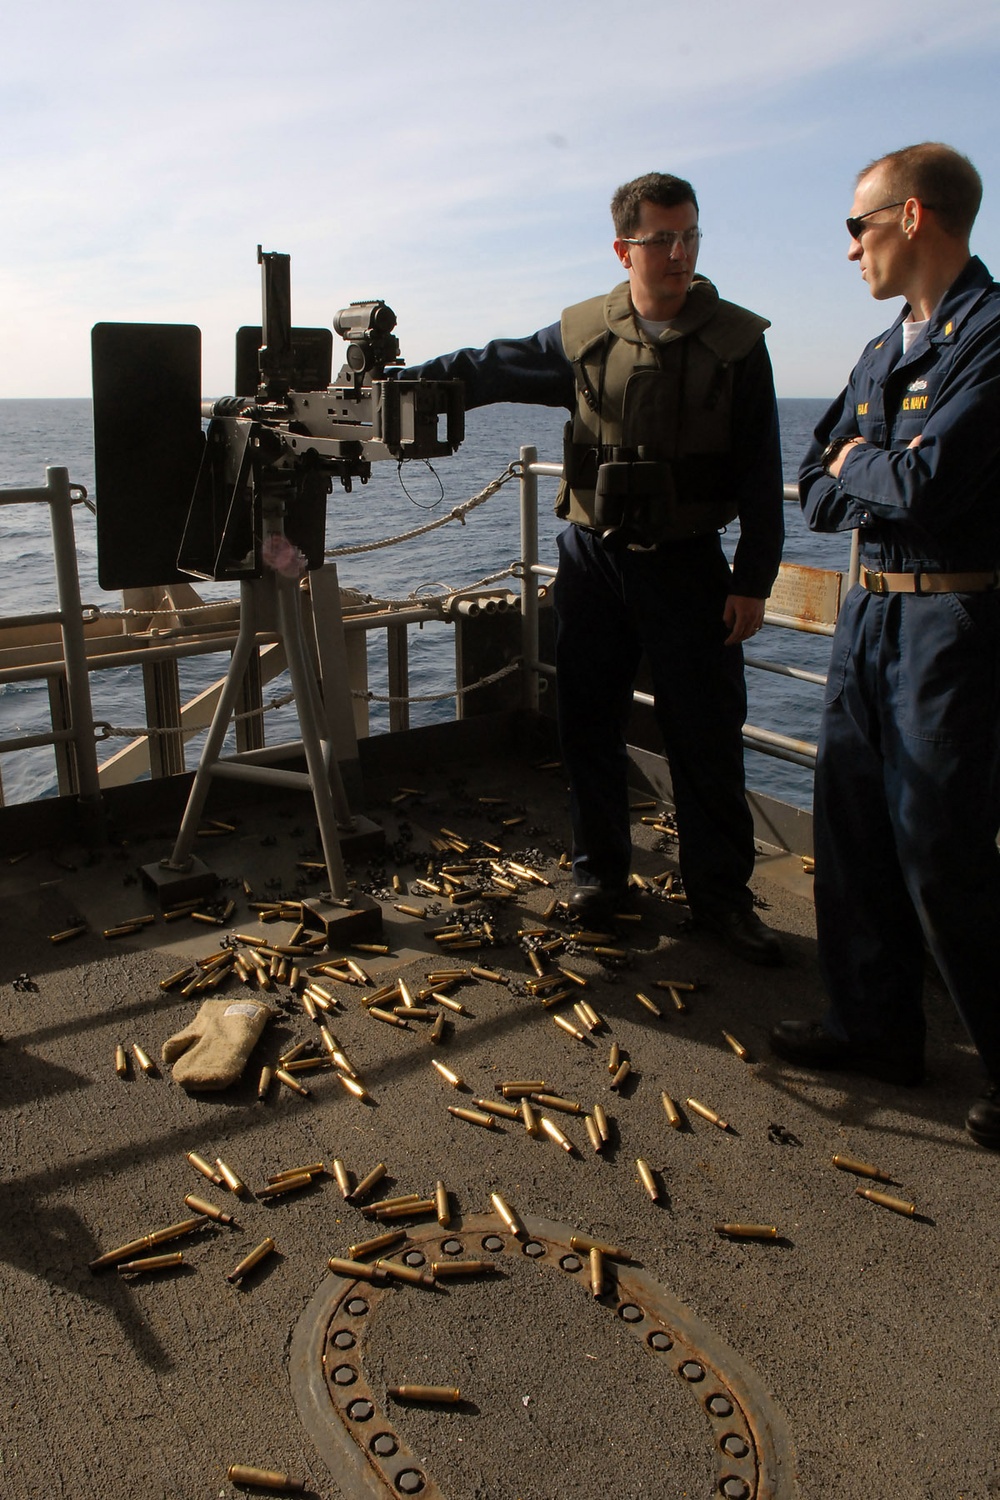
586	1242
406	1210
369	1181
508	1216
596	1270
515	1088
285	1185
601	1121
343	1177
143	1059
671	1111
569	1028
748	1231
898	1205
203	1206
529	1117
860	1168
738	1047
264	1081
499	1107
614	1057
265	1479
448	1074
650	1005
353	1086
68	933
399	1272
554	1133
556	1101
621	1073
147	1242
233	1183
676	984
593	1133
172	980
474	1116
291	1082
152	1262
307	1064
259	1253
462	1267
387	1017
449	1003
448	1394
121	1061
707	1114
373	1246
358	1268
648	1180
310	1169
441	1204
205	1168
490	975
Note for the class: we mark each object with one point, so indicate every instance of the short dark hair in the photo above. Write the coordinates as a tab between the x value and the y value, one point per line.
655	187
940	177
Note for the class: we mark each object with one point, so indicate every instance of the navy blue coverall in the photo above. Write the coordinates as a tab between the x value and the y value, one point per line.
907	803
611	606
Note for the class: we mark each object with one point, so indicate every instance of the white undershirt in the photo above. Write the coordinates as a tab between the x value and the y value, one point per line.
654	328
911	332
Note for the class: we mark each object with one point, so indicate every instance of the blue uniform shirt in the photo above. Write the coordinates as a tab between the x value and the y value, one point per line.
935	506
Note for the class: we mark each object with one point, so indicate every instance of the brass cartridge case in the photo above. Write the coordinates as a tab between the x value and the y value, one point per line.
898	1205
508	1216
621	1073
312	1169
672	1112
596	1271
68	933
462	1267
152	1262
584	1243
490	975
343	1177
582	1013
614	1057
410	911
601	1121
358	971
328	1039
593	1133
307	1064
556	997
448	1074
248	1262
317	992
355	1268
405	1210
375	1208
648	1180
294	1052
443	1393
536	962
596	1021
229	1177
121	1061
556	1101
308	1004
707	1114
555	1134
414	1012
529	1117
747	1231
675	984
143	1059
205	1168
379	1242
650	1005
352	1086
291	1082
437	1031
474	1116
172	980
449	1003
369	1180
264	1081
203	1206
860	1168
265	1479
405	993
738	1047
572	976
569	1028
147	1242
413	1274
379	948
512	1088
387	1017
441	1204
285	1185
499	1107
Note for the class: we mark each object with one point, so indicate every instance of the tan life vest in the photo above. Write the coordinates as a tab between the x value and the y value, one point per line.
668	401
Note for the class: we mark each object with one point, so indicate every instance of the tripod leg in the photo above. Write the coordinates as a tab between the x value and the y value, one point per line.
245	642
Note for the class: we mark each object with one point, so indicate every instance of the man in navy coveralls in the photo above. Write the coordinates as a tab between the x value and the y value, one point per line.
671	389
907	800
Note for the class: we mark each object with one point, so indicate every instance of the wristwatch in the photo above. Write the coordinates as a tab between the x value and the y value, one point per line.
833	450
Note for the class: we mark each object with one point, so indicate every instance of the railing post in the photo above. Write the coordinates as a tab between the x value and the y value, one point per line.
529	581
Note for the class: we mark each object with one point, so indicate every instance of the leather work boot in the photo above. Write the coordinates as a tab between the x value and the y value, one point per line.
809	1044
595	903
744	934
983	1120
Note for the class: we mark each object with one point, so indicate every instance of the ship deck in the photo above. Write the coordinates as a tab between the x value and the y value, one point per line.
858	1348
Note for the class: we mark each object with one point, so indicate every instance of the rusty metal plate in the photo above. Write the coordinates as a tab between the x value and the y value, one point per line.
352	1424
809	594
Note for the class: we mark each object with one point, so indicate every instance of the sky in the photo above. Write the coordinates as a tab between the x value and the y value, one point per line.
456	158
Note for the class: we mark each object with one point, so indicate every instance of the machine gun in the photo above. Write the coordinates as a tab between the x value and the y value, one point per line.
271	452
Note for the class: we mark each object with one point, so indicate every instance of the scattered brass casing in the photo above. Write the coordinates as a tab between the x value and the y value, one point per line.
368	1181
556	1101
343	1177
707	1114
355	1268
264	1479
648	1180
508	1216
203	1206
406	1210
898	1205
623	1070
121	1061
474	1116
748	1231
444	1393
586	1242
229	1177
860	1168
353	1086
437	1031
153	1262
514	1088
738	1047
569	1028
554	1133
499	1107
413	1274
285	1185
594	1134
614	1057
650	1005
264	1082
205	1168
462	1267
448	1074
601	1121
441	1204
672	1112
143	1059
529	1117
68	933
291	1082
596	1271
147	1242
248	1262
373	1246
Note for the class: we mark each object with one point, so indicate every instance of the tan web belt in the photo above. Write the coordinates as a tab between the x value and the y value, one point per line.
929	583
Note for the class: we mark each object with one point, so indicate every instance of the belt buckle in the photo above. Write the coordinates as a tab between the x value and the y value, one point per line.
875	582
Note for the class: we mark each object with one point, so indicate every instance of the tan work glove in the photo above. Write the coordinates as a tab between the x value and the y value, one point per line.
213	1049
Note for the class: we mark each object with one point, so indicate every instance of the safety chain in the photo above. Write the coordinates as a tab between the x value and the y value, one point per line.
458	513
106	731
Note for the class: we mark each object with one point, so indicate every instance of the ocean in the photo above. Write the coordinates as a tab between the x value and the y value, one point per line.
36	433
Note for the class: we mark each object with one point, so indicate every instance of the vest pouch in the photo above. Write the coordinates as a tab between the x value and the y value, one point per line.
636	499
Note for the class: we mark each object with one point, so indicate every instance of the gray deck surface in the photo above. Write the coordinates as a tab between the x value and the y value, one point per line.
875	1335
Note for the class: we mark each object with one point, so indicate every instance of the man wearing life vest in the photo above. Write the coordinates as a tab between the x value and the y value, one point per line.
907	799
673	436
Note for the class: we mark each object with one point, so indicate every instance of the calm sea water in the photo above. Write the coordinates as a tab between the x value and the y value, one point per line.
34	434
